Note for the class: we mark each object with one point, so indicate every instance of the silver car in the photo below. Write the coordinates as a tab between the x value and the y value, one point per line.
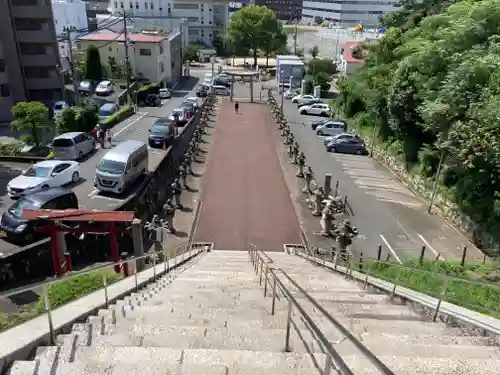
72	146
179	114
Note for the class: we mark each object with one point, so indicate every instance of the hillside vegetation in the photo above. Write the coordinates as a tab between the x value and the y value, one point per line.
432	84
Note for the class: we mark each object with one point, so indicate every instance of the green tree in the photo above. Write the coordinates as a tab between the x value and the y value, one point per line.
79	69
314	52
191	52
77	118
93	67
32	117
274	44
316	66
252	27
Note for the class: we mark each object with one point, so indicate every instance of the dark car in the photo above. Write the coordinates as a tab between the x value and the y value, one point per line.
315	124
311	102
202	91
17	229
86	86
160	134
222	82
351	145
152	100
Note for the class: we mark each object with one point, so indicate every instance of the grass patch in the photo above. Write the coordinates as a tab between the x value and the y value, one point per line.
60	293
474	286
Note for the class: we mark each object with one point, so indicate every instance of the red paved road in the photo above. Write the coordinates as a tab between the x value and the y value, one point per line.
244	194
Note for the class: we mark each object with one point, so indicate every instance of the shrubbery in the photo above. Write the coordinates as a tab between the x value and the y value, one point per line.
115	118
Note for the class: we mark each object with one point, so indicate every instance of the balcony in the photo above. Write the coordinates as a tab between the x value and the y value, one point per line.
40	36
52	82
34	11
48	59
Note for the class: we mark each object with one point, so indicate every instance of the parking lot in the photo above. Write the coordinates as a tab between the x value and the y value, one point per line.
136	127
386	211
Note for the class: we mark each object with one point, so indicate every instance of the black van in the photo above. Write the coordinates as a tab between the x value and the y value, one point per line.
15	228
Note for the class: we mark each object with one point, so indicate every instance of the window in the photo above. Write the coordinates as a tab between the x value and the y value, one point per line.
151	5
131	5
32	49
136	5
2	65
24	2
4	90
121	5
185	6
145	52
116	4
169	10
28	24
160	9
145	5
192	19
162	67
36	72
161	50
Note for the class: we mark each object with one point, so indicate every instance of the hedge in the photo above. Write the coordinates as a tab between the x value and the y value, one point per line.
152	88
115	118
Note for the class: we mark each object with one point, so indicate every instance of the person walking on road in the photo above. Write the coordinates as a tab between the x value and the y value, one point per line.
236	107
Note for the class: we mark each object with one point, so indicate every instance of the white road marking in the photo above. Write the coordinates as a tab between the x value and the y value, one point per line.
427	244
164	101
130	124
391	249
106	198
93	192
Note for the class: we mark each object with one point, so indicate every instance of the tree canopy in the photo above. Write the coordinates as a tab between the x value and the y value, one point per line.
432	83
93	67
256	28
32	117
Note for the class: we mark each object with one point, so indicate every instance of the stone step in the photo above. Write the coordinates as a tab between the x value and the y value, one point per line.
347	298
423	339
186	337
426	366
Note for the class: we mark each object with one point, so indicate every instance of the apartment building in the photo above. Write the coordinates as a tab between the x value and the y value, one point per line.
206	19
347	12
153	56
28	54
286	10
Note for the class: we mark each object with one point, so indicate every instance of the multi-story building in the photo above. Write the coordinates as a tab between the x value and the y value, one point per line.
152	56
69	15
206	19
347	12
29	60
286	10
94	10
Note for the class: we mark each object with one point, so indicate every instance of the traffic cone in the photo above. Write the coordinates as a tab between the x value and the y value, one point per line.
189	115
164	147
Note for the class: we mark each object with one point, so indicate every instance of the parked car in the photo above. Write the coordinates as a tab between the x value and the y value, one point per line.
221	82
14	227
327	140
315	124
318	109
106	111
202	91
331	128
152	100
104	88
311	102
194	100
289	94
165	94
86	86
59	107
72	146
350	145
189	107
299	99
179	115
220	90
44	175
160	134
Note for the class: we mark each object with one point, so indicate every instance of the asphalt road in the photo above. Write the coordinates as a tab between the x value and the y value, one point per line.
136	128
386	212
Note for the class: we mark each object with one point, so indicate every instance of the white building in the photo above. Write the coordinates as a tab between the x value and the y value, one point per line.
69	14
346	12
154	57
206	19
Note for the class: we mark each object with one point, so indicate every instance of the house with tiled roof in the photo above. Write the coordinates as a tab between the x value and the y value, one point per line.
350	60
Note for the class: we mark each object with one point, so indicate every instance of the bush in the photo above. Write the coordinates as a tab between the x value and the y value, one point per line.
143	92
59	294
11	148
121	115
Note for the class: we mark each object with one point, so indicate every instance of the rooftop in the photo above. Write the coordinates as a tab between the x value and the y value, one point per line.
348	52
133	37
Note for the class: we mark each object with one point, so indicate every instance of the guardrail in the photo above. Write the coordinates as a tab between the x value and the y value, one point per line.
333	358
163	256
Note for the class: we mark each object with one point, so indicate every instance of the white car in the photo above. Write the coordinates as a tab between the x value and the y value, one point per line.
302	99
194	100
318	109
59	107
104	88
165	94
220	90
44	175
331	128
289	94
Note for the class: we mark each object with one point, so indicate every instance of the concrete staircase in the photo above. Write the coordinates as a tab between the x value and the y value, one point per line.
212	318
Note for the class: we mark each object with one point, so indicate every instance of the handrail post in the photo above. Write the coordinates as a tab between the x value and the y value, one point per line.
154	266
105	284
328	365
261	269
135	275
288	326
395	285
265	281
367	272
165	261
49	315
441	297
273	305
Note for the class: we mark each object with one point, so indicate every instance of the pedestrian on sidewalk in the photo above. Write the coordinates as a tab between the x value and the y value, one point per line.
236	107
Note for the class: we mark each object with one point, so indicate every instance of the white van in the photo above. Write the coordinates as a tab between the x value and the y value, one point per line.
72	146
121	167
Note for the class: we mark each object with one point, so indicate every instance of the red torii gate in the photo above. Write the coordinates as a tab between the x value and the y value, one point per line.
90	222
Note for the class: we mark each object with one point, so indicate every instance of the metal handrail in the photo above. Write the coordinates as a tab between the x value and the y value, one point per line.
332	356
46	283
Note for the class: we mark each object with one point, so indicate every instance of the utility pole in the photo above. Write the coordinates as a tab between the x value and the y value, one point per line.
436	180
212	58
295	35
127	61
69	29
